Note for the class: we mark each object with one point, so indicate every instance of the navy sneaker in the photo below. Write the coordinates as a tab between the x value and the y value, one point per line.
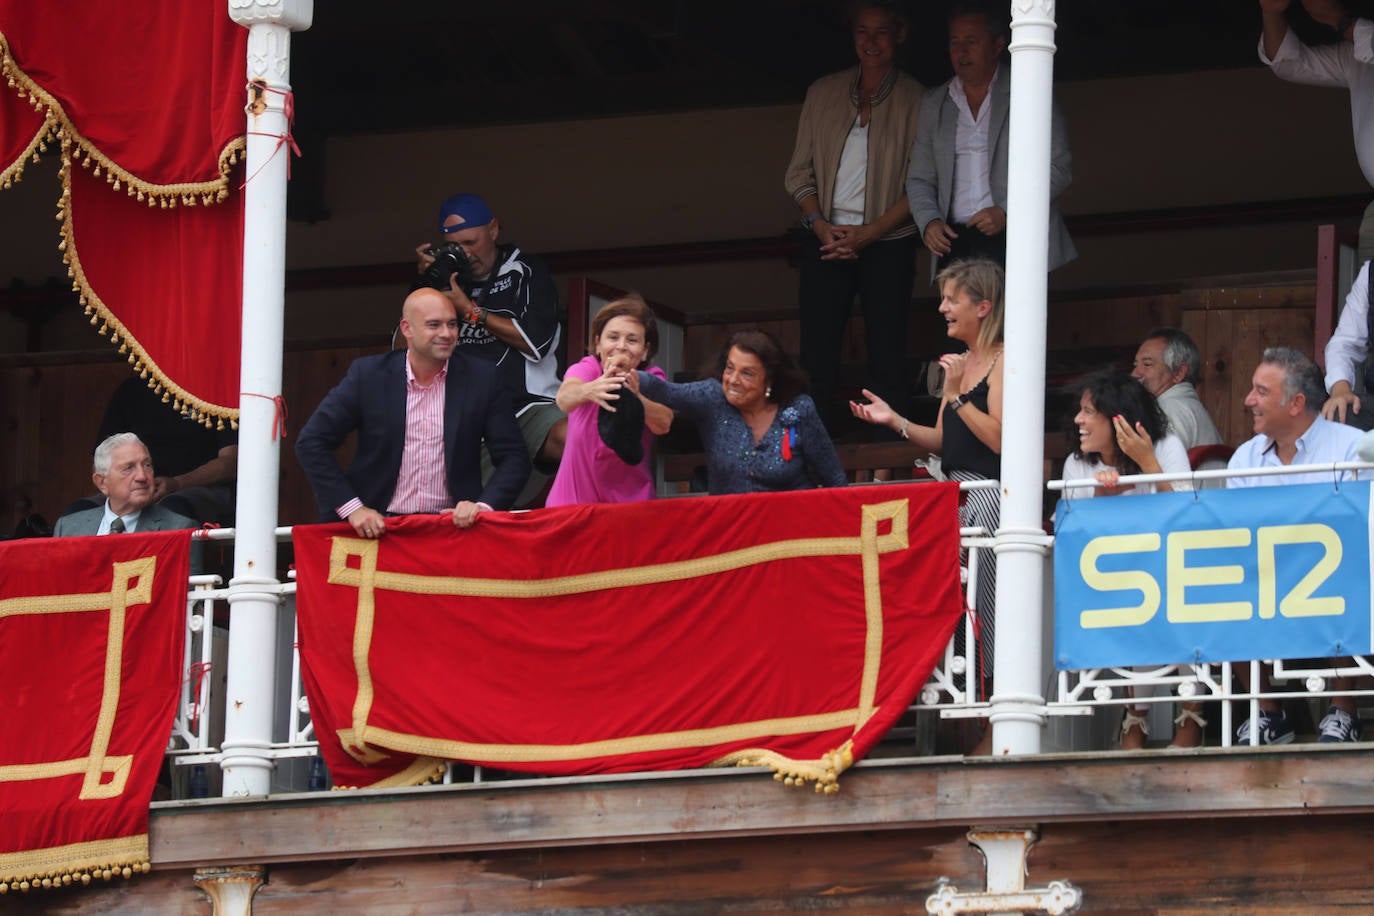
1339	727
1274	728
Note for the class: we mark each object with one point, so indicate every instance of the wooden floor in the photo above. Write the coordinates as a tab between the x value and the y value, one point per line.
1235	831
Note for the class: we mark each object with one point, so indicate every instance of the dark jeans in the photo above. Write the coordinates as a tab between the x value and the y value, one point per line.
882	277
972	243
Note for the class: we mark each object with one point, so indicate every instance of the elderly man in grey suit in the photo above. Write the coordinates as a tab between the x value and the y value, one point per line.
123	471
957	181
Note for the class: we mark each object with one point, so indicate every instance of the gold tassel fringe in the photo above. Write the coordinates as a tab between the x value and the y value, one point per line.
824	773
57	125
107	324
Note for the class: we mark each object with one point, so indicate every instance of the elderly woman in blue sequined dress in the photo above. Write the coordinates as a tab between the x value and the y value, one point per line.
761	433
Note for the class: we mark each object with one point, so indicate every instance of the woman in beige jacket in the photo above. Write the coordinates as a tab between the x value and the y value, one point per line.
847	175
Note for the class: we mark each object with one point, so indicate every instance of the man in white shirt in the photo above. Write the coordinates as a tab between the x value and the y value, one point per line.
1347	349
1289	430
957	181
1167	364
1348	63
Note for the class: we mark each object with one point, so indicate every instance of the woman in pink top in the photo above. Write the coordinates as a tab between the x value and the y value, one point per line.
624	338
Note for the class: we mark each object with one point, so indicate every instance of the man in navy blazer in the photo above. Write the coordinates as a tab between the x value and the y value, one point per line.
957	180
421	415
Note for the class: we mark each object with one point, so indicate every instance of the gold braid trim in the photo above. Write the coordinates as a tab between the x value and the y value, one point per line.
825	773
188	405
423	771
58	124
37	146
75	863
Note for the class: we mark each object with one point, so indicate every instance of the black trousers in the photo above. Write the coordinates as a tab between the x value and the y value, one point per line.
882	278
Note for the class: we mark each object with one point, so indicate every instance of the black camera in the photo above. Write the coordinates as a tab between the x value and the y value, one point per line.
449	259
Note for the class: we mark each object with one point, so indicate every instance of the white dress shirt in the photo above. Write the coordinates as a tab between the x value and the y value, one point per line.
972	153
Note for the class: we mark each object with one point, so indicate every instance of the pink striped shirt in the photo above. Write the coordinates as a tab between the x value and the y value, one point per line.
422	484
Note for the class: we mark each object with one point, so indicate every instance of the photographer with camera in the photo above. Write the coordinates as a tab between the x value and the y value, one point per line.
507	309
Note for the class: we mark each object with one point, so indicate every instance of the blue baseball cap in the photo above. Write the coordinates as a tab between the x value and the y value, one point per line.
470	208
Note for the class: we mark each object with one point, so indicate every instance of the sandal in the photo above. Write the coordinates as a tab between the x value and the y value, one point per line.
1131	726
1185	717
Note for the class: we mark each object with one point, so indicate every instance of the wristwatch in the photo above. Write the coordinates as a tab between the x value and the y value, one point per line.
958	402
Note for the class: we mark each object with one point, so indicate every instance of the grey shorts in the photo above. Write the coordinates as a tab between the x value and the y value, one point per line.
535	424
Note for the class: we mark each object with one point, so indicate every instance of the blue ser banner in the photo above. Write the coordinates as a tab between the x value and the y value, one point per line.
1213	576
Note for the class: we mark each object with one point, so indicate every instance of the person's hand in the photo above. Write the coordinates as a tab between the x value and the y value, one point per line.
466	512
631	378
953	364
1273	7
938	236
989	220
876	411
422	253
166	486
1327	12
604	390
847	242
459	298
369	523
1342	400
1107	482
1136	444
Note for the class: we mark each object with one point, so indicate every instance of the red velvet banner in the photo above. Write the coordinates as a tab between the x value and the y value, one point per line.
788	630
144	104
89	681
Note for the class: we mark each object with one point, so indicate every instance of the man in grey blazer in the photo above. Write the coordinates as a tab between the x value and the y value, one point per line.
123	471
957	180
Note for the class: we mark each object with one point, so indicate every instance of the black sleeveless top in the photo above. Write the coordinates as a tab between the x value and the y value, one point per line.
960	449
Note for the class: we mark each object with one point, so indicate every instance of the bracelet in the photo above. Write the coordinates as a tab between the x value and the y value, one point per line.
482	321
901	430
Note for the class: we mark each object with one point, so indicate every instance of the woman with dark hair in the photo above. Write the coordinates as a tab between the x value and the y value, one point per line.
847	176
761	433
593	470
1120	430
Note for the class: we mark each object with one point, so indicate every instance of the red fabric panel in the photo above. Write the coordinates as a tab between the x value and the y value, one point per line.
156	85
172	278
459	662
155	88
70	674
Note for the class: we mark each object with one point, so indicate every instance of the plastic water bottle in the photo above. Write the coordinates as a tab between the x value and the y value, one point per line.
200	783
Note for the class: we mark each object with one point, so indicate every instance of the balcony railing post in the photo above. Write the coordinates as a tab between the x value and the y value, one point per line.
254	592
1017	713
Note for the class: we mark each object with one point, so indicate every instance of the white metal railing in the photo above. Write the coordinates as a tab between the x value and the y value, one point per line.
954	689
1083	692
198	724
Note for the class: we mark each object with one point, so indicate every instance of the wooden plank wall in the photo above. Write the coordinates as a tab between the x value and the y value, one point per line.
1313	864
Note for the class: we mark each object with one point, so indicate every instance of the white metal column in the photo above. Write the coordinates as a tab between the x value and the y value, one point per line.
1017	713
254	592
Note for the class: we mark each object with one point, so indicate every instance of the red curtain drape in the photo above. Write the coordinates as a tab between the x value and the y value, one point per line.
89	680
788	630
144	104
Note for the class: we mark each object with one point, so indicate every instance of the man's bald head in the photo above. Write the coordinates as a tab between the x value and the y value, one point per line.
429	323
